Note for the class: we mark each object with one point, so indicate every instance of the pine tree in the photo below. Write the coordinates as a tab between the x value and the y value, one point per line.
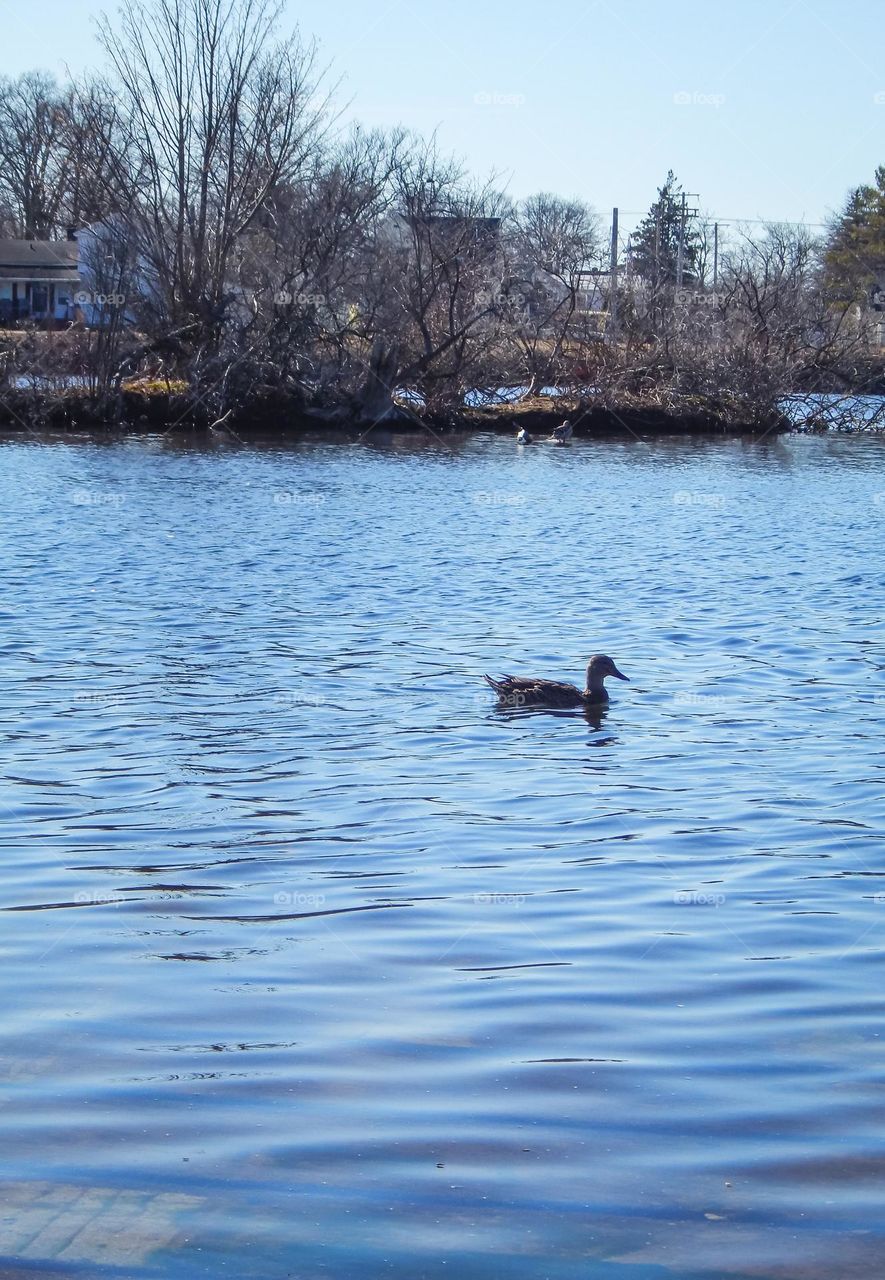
655	243
855	254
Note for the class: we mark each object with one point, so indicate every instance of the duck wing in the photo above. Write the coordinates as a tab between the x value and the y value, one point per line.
528	691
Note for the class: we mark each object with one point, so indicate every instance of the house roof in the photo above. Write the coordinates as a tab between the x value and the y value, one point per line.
54	260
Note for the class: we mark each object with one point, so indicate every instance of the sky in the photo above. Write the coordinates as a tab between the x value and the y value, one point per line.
767	109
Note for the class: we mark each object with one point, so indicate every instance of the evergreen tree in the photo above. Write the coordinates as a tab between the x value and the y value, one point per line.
655	243
855	254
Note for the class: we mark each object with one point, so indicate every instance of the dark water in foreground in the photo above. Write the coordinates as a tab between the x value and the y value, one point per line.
316	965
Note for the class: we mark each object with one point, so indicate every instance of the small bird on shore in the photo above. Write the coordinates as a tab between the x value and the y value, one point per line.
563	433
523	437
527	691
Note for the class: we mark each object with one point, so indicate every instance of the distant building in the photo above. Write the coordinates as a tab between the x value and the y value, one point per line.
472	238
481	231
38	279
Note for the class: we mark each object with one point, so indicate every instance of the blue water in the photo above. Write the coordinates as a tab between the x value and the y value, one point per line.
315	963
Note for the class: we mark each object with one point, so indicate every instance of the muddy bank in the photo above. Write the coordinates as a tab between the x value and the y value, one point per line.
138	411
629	419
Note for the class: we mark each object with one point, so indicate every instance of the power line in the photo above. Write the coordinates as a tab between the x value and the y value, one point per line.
753	222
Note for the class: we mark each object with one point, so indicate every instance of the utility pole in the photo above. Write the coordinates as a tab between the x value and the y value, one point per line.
683	219
657	276
715	255
613	278
680	251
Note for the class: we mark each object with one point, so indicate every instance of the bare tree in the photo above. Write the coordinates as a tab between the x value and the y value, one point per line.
786	332
769	330
555	258
434	285
218	113
306	318
92	140
33	171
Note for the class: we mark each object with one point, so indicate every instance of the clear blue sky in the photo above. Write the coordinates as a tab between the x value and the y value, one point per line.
767	108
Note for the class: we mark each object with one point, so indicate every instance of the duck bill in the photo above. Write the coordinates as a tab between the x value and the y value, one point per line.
619	674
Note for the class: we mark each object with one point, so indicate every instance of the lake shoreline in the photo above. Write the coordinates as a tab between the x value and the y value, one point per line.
137	411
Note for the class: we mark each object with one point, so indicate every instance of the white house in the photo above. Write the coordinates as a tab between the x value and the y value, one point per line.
38	279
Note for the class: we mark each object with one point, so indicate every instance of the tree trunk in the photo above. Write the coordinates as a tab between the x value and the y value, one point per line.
376	399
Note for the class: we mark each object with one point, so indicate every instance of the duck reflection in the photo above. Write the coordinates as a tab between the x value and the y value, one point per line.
594	714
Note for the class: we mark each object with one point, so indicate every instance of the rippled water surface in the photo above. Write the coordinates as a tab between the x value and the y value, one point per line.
316	964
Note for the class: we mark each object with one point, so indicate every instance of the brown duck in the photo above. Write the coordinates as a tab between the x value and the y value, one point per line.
526	691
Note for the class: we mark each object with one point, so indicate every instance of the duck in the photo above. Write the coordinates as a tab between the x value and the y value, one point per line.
563	433
523	437
528	691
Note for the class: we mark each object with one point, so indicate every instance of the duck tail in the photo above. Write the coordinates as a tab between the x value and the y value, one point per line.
493	684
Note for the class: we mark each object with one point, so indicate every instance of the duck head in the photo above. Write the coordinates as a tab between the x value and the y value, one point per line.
600	666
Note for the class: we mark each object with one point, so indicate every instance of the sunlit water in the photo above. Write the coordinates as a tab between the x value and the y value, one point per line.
316	964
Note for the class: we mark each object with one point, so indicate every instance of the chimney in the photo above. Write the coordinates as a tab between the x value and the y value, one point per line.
72	233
